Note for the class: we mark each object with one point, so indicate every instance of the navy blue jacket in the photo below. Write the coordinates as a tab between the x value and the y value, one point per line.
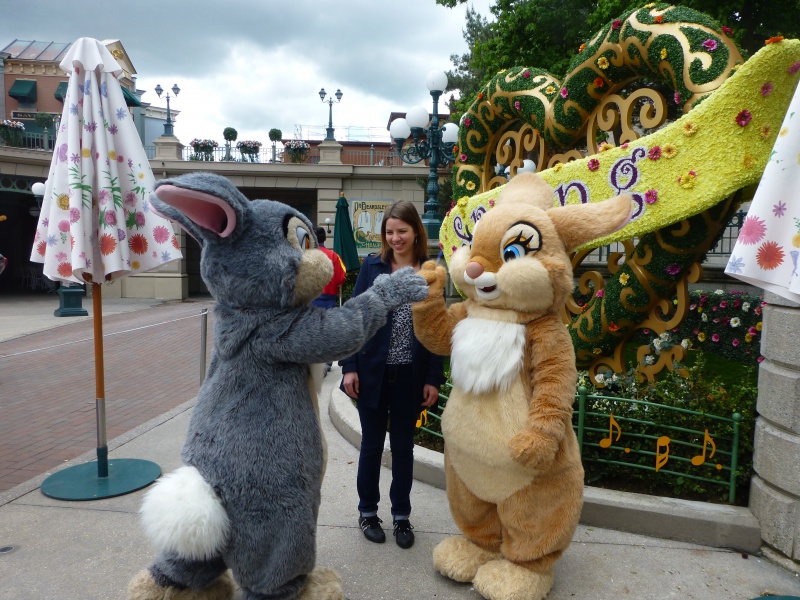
370	361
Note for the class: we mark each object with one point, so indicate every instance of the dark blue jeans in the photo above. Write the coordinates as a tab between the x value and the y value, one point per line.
400	410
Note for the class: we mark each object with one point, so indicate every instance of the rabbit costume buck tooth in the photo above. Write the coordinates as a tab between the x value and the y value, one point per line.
512	465
244	507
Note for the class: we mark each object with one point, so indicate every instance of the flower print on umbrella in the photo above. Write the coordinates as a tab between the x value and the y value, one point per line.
161	234
61	154
121	113
752	231
770	256
779	209
138	244
735	264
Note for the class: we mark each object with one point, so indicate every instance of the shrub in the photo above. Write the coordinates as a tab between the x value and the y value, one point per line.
275	135
230	134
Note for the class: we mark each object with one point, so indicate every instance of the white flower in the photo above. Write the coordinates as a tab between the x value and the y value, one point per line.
649	360
657	344
664	336
704	317
614	377
745	306
735	322
719	292
686	343
600	378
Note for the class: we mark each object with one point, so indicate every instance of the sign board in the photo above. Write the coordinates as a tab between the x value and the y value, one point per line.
29	115
367	216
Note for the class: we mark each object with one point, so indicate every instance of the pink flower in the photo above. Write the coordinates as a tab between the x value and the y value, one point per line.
616	24
794	68
715	337
723	304
74	215
752	331
752	231
766	89
710	45
491	202
593	164
760	358
63	226
467	122
735	342
677	97
516	104
110	217
463	158
625	145
600	293
654	153
727	30
564	92
743	118
526	73
673	269
651	196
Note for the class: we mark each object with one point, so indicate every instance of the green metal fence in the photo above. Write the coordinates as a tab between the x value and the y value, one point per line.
603	424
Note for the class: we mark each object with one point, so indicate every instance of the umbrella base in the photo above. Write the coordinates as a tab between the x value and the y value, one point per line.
81	482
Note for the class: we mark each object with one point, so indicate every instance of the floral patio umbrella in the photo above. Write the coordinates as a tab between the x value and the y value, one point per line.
766	252
96	224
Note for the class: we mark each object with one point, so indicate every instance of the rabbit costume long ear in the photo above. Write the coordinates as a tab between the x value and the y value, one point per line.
208	208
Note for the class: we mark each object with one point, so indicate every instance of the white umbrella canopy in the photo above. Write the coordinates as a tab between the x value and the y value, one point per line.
96	223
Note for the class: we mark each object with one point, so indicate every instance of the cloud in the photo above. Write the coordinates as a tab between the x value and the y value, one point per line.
258	65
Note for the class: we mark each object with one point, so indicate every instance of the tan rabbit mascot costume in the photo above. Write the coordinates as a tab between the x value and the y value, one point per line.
514	474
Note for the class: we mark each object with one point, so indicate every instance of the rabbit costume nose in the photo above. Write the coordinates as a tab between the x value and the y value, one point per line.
474	269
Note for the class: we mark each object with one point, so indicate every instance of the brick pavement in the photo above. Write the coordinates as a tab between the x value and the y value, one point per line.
47	383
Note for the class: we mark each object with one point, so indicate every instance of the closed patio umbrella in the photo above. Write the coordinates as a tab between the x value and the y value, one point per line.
96	225
344	242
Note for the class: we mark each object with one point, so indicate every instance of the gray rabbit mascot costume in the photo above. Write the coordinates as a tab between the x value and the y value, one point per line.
244	506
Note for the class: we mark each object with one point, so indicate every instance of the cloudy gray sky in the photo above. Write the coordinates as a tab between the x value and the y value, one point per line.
258	64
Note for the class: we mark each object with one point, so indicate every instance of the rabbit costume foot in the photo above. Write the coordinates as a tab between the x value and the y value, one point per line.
144	587
459	559
504	580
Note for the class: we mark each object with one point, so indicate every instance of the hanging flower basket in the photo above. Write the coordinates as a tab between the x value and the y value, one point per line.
297	150
249	150
12	133
203	149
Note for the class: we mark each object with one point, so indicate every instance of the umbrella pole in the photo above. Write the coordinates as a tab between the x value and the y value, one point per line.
99	376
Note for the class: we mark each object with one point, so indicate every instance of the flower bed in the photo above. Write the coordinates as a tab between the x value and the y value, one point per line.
12	132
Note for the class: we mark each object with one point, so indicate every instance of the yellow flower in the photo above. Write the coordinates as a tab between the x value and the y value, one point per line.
135	264
602	62
701	336
463	200
550	90
748	338
764	132
689	128
663	54
558	167
605	146
62	201
86	153
748	161
668	151
624	278
687	181
140	175
470	185
597	351
758	326
699	309
112	155
3	217
784	131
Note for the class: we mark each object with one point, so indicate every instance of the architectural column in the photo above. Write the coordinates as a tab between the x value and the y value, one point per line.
330	153
168	148
775	488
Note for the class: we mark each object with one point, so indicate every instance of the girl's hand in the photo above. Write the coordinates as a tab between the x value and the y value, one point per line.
430	394
350	384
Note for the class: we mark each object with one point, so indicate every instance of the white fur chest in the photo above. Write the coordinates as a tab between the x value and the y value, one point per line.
487	354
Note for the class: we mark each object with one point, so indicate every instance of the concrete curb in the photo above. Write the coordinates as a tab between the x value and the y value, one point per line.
715	525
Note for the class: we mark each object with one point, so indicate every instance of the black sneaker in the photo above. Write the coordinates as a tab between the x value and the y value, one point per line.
371	526
403	534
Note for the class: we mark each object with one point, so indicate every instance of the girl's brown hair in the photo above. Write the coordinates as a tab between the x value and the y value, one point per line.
406	212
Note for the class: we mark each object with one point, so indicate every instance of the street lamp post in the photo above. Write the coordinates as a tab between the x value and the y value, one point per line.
168	125
436	145
330	101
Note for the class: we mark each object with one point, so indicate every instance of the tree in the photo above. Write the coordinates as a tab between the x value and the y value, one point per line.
230	134
275	135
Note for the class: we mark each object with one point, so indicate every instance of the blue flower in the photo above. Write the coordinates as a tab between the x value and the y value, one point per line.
73	109
52	240
104	90
165	256
121	113
735	265
87	87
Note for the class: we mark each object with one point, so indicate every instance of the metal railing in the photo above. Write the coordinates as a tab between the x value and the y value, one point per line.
646	445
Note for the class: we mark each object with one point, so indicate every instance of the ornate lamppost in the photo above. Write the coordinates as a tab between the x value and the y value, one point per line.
168	125
330	101
436	144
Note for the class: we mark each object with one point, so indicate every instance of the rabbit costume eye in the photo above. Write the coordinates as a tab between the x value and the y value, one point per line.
299	235
521	239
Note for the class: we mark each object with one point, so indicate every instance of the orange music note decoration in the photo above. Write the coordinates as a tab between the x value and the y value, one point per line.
662	457
701	458
606	442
